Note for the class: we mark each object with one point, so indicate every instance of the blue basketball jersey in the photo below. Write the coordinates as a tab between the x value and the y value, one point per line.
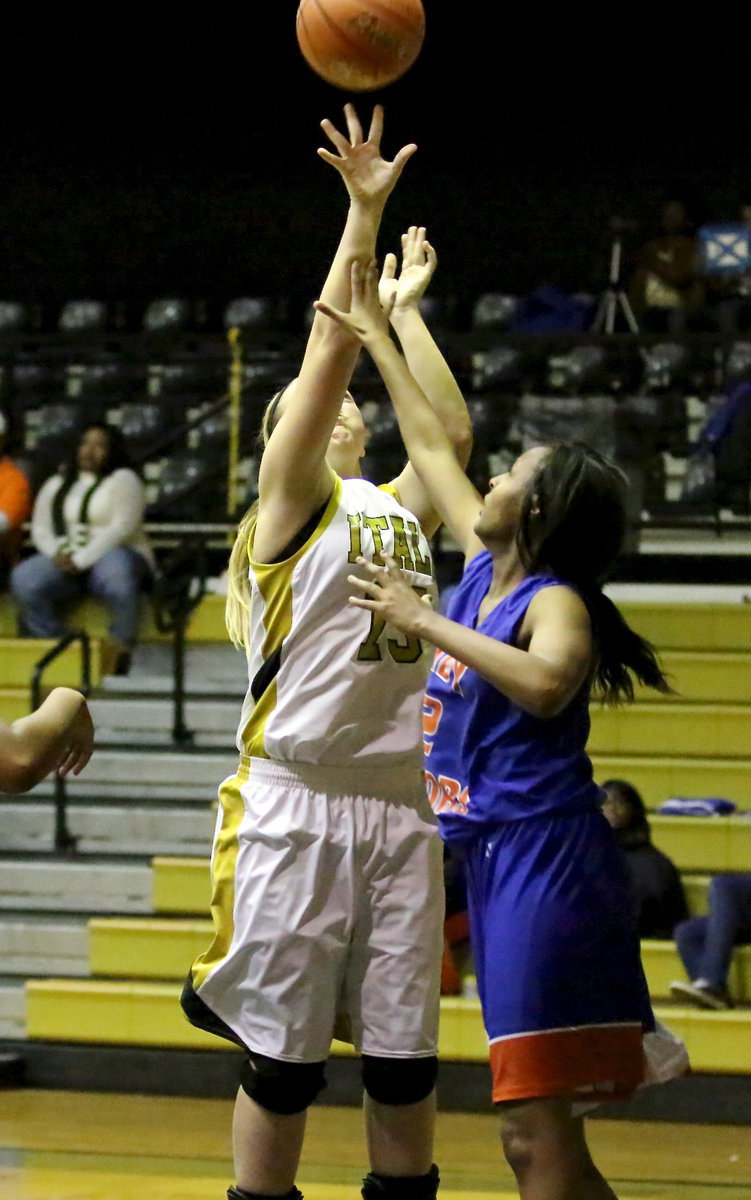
487	761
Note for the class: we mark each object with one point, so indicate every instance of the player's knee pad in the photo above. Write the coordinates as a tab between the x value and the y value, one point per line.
398	1080
401	1187
236	1193
281	1087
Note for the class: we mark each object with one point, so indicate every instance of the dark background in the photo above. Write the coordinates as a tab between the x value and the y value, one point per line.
144	154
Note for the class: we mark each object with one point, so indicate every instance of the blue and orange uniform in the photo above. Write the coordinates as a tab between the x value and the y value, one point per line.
554	940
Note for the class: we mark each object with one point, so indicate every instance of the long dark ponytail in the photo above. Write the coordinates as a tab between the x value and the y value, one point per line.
573	522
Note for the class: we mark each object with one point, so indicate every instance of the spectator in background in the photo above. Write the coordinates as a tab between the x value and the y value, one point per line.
666	289
15	506
87	527
706	944
655	883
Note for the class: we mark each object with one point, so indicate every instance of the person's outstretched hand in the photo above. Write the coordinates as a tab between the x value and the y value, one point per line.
366	319
419	261
368	177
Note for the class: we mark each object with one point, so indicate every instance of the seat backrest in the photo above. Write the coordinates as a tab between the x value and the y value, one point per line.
251	312
83	316
167	314
494	310
14	316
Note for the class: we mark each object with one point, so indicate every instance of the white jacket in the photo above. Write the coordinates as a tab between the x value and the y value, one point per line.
115	518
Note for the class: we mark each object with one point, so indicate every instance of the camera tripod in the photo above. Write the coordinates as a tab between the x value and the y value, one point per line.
614	298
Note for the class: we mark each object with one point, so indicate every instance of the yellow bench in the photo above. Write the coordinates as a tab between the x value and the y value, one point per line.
148	1014
206	622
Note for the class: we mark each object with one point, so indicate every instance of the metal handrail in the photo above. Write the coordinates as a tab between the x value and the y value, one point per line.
176	594
64	841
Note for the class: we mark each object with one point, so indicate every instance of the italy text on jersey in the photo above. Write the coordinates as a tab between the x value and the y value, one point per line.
406	540
401	539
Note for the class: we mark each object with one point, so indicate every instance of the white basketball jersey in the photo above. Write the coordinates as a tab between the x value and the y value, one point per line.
330	683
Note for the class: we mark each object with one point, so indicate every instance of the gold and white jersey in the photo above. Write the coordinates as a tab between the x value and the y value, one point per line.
330	683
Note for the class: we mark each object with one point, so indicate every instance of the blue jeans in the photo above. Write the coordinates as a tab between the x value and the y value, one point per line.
705	944
42	593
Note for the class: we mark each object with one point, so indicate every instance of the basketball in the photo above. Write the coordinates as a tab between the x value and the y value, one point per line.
360	45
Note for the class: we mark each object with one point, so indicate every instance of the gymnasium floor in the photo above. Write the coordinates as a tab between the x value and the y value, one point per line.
82	1146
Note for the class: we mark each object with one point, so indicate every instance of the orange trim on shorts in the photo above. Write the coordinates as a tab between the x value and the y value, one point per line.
602	1061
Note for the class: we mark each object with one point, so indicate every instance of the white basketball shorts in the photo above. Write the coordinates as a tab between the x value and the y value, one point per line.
327	902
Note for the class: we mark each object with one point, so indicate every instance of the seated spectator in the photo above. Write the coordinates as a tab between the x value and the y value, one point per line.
15	506
705	944
666	289
656	885
87	526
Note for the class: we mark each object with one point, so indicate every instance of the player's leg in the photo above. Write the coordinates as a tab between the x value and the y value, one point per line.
400	1135
546	1148
269	1124
392	995
275	983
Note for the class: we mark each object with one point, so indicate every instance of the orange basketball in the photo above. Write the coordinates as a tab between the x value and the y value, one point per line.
360	45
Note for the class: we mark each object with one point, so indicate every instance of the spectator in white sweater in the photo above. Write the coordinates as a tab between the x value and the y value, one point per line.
87	527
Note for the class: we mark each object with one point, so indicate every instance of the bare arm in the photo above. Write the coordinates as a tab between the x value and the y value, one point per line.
294	479
541	676
430	450
58	736
425	361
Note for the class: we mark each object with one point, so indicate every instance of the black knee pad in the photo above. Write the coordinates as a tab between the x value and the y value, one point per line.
281	1087
401	1187
236	1193
398	1080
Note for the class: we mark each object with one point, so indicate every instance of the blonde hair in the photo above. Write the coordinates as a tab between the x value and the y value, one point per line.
237	606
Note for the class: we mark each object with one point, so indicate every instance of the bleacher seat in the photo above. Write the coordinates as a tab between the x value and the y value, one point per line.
737	365
383	430
253	314
212	437
52	432
581	370
438	312
544	419
168	314
182	492
14	316
494	311
666	365
499	369
194	377
34	379
490	421
60	423
143	424
108	376
83	316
